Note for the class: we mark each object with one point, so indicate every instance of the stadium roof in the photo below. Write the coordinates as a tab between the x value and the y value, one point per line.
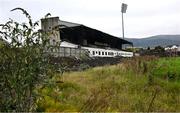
75	33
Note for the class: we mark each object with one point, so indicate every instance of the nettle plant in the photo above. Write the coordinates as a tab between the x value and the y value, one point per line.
23	65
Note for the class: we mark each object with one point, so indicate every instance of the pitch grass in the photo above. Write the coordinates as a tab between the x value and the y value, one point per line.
126	87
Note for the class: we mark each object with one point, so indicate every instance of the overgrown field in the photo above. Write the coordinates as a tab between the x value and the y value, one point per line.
137	84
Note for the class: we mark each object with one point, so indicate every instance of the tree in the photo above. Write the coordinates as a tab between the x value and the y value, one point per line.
23	65
159	49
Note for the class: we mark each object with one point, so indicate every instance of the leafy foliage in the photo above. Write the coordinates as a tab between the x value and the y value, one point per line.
23	65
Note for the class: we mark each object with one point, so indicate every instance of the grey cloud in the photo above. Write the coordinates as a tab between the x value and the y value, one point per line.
143	17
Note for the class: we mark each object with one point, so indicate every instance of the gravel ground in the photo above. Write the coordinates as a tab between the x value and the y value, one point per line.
74	64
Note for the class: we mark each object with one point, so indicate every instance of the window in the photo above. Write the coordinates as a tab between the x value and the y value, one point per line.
54	42
105	53
102	53
93	52
110	53
99	53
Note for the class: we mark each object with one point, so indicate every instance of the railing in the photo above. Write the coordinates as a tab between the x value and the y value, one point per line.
67	52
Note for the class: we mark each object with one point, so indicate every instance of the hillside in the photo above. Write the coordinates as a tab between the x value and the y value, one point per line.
159	40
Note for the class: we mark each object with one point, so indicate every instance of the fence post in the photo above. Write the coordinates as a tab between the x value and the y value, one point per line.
70	51
64	51
79	52
75	51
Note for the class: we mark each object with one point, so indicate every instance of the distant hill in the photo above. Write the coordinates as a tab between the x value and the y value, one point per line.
159	40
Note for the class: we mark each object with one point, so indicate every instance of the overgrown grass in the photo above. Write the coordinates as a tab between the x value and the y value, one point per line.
131	86
168	68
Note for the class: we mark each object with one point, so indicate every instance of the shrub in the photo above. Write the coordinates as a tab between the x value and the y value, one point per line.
23	65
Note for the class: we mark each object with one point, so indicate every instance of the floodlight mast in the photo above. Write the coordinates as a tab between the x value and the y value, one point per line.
123	10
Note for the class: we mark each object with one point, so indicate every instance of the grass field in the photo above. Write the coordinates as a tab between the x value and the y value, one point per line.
168	67
138	84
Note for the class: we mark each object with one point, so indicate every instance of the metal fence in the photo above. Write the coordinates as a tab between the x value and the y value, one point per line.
67	52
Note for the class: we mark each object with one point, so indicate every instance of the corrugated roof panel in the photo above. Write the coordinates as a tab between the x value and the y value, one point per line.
64	24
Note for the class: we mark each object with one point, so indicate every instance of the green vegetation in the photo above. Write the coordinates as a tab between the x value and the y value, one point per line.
23	66
28	82
168	68
134	85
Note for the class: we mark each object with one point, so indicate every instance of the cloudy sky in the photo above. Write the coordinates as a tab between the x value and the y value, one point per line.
143	18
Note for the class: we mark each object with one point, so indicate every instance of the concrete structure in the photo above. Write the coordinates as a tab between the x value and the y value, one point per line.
172	47
173	50
72	35
51	26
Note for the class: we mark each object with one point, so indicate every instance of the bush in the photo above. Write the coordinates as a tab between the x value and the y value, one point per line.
23	65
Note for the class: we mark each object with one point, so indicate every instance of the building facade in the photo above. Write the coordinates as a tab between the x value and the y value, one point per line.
73	35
